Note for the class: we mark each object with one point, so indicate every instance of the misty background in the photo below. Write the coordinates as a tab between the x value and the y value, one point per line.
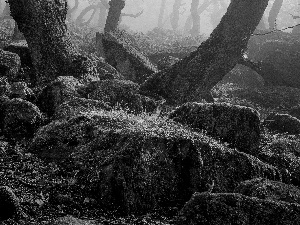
209	18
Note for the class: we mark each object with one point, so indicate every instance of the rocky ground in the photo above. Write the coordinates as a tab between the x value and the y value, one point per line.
99	152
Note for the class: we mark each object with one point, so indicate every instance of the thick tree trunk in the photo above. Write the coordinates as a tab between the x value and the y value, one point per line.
161	13
175	15
192	78
274	13
43	24
114	13
195	17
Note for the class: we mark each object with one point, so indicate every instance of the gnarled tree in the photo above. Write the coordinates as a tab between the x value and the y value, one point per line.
114	14
192	78
43	24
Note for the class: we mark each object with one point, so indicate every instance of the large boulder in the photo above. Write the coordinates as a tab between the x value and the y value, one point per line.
280	52
5	87
122	53
283	153
295	111
282	123
9	204
269	190
20	118
61	90
77	105
120	94
70	220
21	90
237	125
10	64
20	48
136	163
233	208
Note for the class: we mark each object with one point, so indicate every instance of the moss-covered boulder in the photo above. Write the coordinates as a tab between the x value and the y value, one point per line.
21	90
233	208
282	123
122	53
20	118
61	90
20	48
5	87
283	153
9	204
269	190
78	105
134	163
295	111
120	94
237	125
10	64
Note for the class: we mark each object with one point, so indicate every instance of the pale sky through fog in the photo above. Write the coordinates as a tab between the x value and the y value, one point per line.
149	19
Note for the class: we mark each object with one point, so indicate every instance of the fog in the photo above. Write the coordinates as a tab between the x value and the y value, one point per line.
209	17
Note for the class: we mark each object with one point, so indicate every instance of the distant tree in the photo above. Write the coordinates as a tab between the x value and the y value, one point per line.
175	15
161	13
192	78
196	18
189	21
43	25
274	13
72	10
114	14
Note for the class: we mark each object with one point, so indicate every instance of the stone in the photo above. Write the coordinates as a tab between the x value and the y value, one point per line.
119	94
20	119
10	64
62	89
21	90
77	105
20	48
5	87
122	53
269	190
70	220
295	111
237	125
134	164
282	123
233	208
9	203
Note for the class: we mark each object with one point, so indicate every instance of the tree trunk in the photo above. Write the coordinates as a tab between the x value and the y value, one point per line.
43	25
175	14
102	16
114	13
72	10
161	13
79	20
195	17
274	13
192	78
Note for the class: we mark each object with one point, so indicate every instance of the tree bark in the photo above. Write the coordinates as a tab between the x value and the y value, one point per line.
43	24
161	13
274	13
175	14
192	78
114	13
